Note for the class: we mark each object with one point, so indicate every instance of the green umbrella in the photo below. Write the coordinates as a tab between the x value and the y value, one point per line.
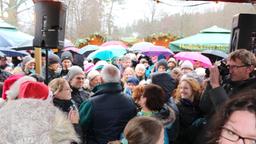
214	38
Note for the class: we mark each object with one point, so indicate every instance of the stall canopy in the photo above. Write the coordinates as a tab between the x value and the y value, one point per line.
213	38
10	36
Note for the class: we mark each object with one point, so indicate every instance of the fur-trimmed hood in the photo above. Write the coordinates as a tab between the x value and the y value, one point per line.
30	121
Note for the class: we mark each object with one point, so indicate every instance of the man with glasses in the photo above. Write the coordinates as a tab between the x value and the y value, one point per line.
75	77
241	64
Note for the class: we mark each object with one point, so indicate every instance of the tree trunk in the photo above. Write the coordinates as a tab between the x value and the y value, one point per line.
12	13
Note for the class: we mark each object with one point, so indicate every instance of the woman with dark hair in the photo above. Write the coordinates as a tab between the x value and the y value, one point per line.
152	104
235	122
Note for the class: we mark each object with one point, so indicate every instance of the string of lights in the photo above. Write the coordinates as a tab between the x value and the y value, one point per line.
181	5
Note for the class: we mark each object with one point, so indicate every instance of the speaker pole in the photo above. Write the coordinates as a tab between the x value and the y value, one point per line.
44	30
46	66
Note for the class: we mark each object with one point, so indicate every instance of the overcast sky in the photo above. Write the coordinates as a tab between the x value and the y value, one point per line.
139	9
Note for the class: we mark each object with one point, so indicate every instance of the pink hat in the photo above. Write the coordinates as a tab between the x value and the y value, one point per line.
36	90
8	82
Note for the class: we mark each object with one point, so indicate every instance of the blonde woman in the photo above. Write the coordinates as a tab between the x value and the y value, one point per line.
187	96
62	98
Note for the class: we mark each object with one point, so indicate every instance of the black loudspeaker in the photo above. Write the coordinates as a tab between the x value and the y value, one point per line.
243	32
50	24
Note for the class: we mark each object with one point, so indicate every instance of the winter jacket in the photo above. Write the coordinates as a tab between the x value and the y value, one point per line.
79	96
104	116
167	116
189	114
212	99
30	121
51	75
65	106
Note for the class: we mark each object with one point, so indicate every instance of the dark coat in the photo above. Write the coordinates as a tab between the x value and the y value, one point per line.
51	75
3	76
189	114
104	116
79	96
212	99
65	106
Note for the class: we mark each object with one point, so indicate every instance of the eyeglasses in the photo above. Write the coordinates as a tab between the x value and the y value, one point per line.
80	78
234	137
236	66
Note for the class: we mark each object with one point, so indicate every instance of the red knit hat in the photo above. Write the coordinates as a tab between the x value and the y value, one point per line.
8	82
36	90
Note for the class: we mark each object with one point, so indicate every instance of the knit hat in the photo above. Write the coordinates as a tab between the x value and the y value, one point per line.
27	59
133	80
165	81
36	90
92	74
7	84
73	71
187	64
66	55
172	60
53	59
162	62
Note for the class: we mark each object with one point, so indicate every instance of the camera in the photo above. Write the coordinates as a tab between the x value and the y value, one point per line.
223	69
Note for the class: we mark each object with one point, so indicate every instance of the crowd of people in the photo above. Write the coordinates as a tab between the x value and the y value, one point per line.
135	99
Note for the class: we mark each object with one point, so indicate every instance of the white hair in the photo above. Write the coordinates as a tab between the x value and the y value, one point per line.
110	73
140	67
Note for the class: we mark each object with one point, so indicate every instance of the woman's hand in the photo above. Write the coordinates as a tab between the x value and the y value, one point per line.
73	116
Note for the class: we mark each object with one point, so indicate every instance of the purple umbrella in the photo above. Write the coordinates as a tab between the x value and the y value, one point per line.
140	45
156	51
194	56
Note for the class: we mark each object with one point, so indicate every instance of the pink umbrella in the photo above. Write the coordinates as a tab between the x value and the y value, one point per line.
73	49
156	51
194	56
109	43
138	46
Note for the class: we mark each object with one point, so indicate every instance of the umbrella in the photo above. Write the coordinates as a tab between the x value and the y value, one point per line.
2	54
108	52
212	38
101	54
10	36
156	51
13	53
86	50
111	43
194	56
28	45
73	49
140	45
215	55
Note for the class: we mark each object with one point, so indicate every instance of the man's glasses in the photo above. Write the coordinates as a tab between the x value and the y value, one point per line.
234	137
235	66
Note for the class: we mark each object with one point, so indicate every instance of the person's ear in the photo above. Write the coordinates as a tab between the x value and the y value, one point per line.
250	69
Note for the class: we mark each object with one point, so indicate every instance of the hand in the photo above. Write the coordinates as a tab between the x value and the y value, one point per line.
214	77
73	116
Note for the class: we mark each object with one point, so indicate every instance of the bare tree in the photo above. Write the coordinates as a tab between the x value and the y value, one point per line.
13	9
